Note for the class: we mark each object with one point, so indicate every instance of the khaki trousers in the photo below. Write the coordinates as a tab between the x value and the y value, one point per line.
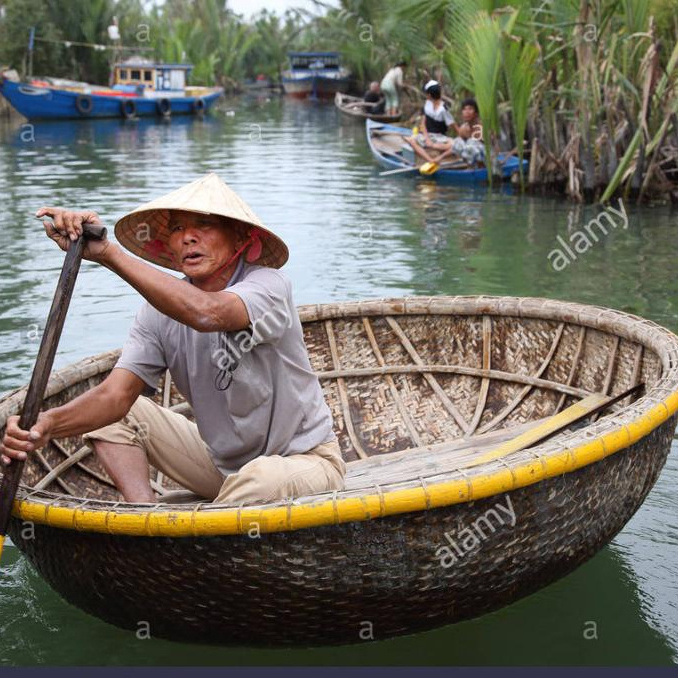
173	445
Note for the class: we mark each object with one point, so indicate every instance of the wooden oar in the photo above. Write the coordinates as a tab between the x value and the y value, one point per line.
43	366
399	171
379	132
445	165
362	104
587	407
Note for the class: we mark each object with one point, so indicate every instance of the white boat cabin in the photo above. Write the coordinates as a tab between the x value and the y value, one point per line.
314	61
153	77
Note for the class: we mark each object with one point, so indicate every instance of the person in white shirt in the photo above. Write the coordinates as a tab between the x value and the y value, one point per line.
435	121
391	84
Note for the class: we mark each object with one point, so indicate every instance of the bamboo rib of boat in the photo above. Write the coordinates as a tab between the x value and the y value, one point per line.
420	389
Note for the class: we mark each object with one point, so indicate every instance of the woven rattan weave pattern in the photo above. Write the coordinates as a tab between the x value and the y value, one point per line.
417	387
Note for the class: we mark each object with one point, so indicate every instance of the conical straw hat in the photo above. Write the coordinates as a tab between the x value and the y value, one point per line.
145	232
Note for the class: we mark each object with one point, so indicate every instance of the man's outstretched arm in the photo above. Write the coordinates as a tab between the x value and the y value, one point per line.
178	299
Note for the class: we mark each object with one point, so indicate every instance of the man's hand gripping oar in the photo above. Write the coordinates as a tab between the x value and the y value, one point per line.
22	436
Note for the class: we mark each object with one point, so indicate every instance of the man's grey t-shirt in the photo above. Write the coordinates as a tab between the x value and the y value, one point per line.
253	392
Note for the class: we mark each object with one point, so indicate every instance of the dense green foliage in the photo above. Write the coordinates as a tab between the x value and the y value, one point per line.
581	77
222	46
77	21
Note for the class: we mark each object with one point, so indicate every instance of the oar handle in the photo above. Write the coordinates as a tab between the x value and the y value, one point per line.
43	365
92	231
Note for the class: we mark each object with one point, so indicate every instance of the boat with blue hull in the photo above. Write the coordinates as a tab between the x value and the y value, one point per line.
141	89
391	151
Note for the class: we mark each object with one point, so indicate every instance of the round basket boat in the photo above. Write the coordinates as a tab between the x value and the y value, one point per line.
443	517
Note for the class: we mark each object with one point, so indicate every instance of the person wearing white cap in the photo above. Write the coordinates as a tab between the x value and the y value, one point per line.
229	334
435	121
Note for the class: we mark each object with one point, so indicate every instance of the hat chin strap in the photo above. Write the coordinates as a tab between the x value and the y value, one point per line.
255	252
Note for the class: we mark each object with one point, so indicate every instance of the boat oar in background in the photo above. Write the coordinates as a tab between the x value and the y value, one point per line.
43	366
591	405
401	170
427	168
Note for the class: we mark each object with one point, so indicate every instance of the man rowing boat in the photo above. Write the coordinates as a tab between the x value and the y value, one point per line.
232	340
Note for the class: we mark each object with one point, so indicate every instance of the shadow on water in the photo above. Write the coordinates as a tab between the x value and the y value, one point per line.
352	234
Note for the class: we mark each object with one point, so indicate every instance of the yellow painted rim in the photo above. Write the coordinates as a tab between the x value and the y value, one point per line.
254	520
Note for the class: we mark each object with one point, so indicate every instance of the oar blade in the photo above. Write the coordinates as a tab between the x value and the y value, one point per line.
588	406
429	168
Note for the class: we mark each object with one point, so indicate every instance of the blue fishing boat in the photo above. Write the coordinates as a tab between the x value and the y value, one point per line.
392	152
315	75
141	88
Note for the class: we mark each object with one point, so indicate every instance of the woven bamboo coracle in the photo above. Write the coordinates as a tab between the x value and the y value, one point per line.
420	390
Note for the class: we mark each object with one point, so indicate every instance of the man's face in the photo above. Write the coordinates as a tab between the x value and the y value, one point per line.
468	113
200	243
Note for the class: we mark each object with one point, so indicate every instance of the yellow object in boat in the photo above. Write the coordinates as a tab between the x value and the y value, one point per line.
428	168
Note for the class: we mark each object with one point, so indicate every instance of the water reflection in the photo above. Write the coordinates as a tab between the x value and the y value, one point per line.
103	135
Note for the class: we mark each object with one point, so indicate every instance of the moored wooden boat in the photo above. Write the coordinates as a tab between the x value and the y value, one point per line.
420	389
355	107
262	84
142	89
315	75
390	151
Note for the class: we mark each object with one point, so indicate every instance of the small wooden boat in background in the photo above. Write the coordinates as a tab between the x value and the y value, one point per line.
391	151
141	88
262	84
356	107
428	397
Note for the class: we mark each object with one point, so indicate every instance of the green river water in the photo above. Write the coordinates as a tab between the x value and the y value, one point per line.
352	235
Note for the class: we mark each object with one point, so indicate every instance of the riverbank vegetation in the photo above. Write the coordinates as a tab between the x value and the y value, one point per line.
586	89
